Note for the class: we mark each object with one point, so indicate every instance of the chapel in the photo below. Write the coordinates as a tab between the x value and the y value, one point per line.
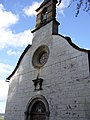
51	80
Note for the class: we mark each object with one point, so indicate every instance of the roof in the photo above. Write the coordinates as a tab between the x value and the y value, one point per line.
75	46
44	3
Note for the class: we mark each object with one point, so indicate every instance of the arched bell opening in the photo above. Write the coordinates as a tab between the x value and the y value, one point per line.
44	15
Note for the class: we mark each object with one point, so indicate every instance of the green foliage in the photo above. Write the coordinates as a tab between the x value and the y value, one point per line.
1	118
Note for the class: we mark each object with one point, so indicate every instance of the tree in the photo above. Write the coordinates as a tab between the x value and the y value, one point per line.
84	4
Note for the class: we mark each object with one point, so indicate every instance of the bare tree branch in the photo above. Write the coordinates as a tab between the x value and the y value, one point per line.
59	2
84	4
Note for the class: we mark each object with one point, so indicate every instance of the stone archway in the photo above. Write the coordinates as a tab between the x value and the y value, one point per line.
37	109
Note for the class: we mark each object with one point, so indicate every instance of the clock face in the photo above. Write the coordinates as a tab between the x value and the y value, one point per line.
40	56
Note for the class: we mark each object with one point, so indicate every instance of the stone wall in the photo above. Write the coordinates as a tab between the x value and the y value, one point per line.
66	84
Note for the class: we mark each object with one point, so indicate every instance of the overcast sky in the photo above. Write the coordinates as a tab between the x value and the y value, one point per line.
17	19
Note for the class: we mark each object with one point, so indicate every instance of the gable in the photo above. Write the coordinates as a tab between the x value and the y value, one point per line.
67	39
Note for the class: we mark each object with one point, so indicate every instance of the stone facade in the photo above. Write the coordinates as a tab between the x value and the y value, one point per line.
59	80
66	80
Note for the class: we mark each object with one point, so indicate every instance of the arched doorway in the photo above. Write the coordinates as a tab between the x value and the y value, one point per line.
37	109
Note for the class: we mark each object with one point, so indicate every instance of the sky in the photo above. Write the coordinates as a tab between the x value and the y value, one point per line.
17	19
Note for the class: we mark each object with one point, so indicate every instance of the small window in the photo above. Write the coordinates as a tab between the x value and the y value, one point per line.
40	56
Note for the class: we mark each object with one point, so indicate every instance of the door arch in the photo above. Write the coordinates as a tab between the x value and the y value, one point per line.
37	109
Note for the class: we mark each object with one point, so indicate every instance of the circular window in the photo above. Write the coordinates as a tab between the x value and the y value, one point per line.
40	56
43	58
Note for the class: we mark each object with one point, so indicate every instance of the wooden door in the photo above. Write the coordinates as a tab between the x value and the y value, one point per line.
38	111
38	117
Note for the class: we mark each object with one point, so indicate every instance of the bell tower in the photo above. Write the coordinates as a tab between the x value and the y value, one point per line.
45	14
